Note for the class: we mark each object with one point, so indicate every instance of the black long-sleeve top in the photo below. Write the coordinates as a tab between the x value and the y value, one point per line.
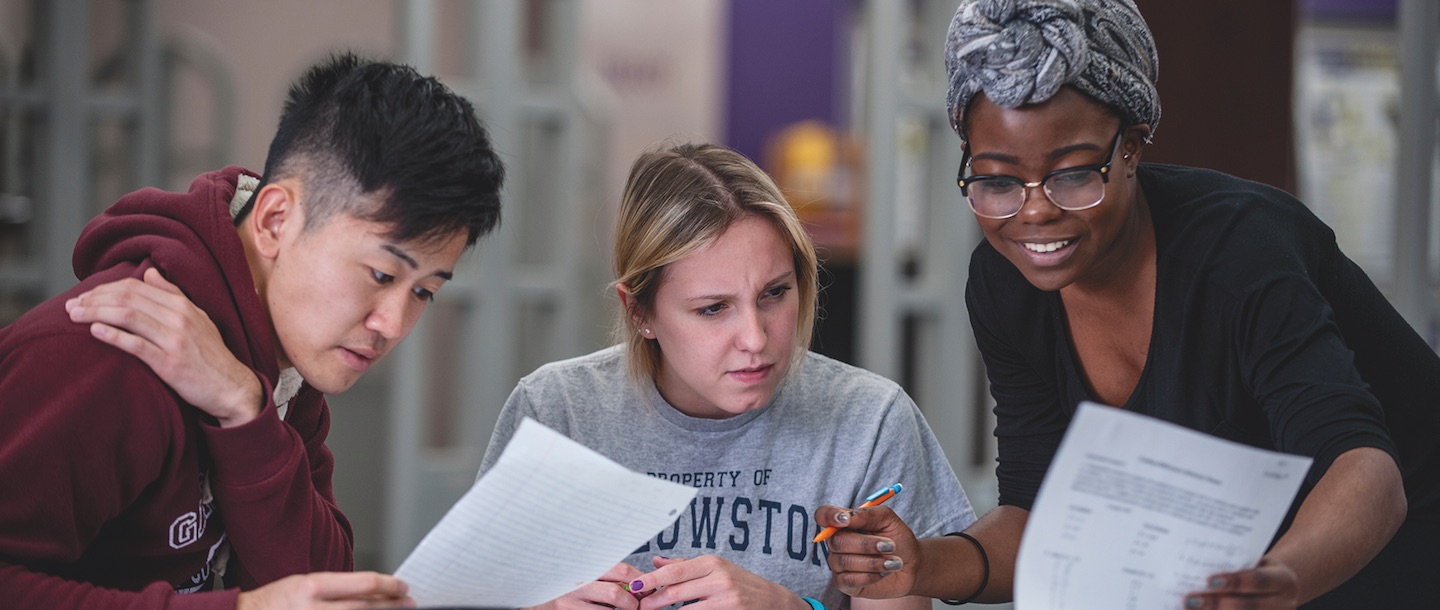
1264	333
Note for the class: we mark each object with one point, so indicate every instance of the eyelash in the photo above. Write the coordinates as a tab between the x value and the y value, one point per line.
776	293
384	279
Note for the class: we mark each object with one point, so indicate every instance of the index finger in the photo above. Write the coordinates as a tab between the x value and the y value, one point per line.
870	520
132	292
342	585
675	572
1252	581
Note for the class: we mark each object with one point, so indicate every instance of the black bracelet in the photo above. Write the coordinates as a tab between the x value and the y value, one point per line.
985	565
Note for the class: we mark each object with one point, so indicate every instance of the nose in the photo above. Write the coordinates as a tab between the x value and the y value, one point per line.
751	336
390	317
1037	207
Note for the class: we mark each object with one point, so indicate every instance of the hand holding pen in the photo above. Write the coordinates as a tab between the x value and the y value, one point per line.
875	499
873	553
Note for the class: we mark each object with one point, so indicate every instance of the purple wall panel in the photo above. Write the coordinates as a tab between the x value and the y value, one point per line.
1349	9
784	66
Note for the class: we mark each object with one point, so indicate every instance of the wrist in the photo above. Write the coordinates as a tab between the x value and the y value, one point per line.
946	567
245	406
983	560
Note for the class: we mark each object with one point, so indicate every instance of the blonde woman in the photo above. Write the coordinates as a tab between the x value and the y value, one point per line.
713	385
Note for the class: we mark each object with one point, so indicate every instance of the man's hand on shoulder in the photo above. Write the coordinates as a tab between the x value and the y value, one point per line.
155	322
329	590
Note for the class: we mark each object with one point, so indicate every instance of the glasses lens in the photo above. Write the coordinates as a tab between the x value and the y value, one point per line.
996	197
1076	190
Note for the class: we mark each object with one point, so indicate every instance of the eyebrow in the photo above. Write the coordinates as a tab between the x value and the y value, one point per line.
721	297
410	260
1054	154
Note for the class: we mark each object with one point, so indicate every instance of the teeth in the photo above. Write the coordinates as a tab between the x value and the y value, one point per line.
1050	247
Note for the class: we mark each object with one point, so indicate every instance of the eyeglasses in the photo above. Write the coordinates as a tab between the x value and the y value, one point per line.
1072	188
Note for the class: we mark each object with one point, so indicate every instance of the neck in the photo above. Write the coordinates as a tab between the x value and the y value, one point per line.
259	276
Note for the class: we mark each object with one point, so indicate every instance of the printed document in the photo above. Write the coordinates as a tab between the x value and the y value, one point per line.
496	545
1136	512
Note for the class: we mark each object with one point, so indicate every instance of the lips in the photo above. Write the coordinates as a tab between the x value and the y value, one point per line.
1046	251
752	375
359	358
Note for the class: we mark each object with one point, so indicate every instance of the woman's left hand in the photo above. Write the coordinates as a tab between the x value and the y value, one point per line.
1272	584
712	583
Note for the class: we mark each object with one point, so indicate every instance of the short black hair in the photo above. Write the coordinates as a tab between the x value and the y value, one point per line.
381	142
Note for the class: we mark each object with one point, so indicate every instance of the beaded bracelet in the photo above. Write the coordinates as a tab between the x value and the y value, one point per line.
985	566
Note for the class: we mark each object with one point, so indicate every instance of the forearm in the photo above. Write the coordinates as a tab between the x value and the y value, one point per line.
276	502
952	568
1347	518
901	603
23	588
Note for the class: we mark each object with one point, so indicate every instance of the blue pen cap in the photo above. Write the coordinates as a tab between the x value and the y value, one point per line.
893	489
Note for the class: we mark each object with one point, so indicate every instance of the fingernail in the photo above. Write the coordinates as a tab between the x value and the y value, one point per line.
843	518
1217	582
893	564
1194	602
637	585
885	546
69	304
662	556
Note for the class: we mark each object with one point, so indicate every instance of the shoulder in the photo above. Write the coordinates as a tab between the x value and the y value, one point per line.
597	374
602	365
1234	232
56	377
829	384
1201	206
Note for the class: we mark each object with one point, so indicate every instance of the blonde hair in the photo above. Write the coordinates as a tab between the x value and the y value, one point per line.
678	200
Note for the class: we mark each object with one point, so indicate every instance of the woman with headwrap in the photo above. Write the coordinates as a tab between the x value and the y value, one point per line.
1238	316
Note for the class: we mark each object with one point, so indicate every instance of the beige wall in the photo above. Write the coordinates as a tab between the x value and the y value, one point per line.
267	43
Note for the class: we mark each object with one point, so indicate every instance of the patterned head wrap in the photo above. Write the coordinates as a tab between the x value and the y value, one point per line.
1022	51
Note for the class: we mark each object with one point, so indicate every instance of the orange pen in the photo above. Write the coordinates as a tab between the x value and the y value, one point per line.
875	499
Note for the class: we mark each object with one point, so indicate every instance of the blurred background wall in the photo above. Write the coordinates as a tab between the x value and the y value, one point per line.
841	100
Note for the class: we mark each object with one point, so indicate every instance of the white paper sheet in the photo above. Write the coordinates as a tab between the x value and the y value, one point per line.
497	545
1136	512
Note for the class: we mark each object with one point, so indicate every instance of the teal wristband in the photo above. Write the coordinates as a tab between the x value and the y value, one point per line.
814	603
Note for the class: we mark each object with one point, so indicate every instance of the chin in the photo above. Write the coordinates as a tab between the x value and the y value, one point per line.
328	384
1048	282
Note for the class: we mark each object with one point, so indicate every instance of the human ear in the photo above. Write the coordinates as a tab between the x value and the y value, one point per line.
1133	144
275	207
629	305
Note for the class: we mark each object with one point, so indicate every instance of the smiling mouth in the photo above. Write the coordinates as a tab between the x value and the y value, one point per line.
1046	247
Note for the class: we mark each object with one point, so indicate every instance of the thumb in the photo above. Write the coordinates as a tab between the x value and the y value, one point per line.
154	278
832	516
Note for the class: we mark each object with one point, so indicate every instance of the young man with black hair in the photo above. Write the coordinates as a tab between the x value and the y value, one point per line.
165	419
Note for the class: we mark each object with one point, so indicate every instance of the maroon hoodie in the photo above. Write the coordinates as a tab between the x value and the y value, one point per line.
104	470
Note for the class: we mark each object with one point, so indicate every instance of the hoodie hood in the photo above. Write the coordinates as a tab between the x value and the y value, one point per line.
191	238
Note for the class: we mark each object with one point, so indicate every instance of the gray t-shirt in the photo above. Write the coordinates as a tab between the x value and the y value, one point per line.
833	434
